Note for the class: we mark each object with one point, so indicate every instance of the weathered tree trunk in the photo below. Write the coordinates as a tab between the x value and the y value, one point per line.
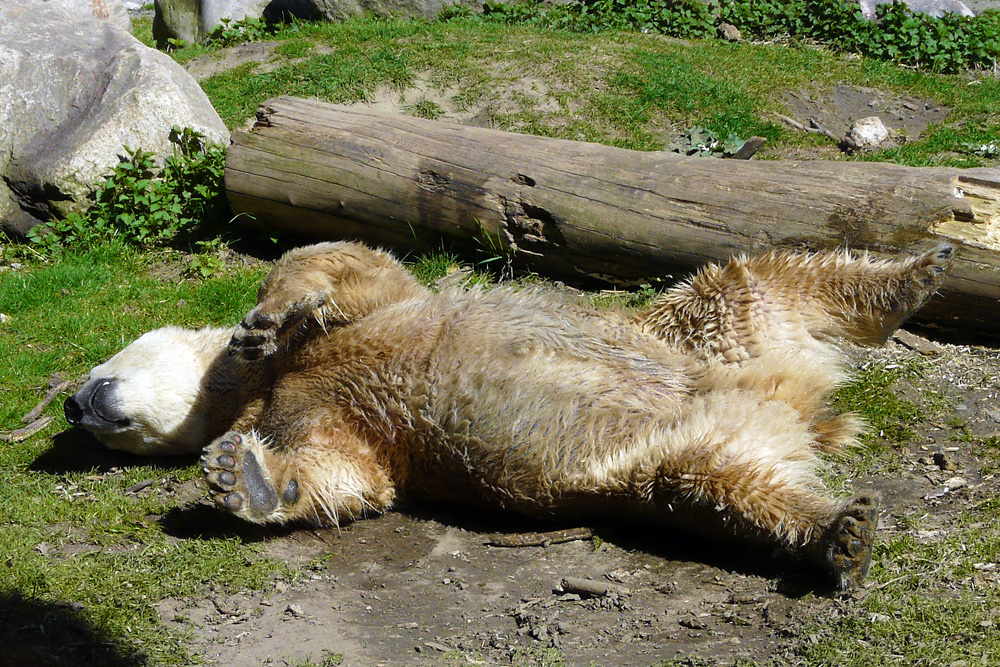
584	212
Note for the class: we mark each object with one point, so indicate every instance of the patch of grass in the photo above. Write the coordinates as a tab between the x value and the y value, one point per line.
929	602
424	108
624	89
76	537
326	660
295	48
142	29
890	417
537	657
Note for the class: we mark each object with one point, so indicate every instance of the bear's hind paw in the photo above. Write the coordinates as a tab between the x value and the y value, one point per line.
234	466
848	542
931	268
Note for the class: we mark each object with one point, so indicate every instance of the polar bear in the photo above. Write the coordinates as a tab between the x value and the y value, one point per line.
350	387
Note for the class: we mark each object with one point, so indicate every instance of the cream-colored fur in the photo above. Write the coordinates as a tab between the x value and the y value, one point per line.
353	387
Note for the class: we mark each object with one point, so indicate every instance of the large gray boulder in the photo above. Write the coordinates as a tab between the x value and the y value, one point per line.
112	11
74	90
193	20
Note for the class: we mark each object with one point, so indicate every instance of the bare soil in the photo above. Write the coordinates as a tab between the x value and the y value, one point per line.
421	586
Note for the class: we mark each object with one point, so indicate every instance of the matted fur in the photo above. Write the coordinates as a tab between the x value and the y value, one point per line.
707	409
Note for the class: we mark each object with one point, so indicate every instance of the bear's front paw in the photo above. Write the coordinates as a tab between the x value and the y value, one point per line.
849	540
239	481
261	331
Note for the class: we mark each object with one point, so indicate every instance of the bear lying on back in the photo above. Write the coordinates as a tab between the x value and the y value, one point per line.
350	387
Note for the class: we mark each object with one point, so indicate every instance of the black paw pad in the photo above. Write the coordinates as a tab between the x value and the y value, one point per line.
263	498
232	502
226	461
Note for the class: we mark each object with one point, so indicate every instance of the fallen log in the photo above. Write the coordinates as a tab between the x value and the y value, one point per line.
589	213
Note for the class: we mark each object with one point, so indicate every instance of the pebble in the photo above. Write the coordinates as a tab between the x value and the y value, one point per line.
944	462
953	483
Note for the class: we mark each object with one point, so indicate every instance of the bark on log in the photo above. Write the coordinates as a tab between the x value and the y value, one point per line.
587	212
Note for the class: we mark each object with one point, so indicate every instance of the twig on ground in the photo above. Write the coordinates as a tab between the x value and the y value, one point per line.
26	432
589	587
136	488
55	391
540	539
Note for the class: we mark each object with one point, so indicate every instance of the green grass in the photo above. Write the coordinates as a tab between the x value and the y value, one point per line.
890	418
76	535
624	89
931	603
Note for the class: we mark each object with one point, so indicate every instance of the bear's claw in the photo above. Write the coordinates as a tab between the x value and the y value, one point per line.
931	268
260	332
848	542
238	482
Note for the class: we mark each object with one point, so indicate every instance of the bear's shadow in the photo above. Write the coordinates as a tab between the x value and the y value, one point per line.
76	450
794	577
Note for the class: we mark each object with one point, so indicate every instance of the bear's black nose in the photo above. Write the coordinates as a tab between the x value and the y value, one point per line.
73	411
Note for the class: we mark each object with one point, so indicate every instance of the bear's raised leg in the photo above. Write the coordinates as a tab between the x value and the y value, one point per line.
737	465
740	310
321	485
331	284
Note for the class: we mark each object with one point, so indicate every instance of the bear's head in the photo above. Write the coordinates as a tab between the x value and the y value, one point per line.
157	395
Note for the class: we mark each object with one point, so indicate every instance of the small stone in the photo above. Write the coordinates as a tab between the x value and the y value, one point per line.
693	623
4	318
944	461
868	132
953	483
730	32
295	610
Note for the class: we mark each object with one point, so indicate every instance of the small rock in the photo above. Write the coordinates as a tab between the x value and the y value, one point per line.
4	318
868	132
295	610
953	483
730	32
944	461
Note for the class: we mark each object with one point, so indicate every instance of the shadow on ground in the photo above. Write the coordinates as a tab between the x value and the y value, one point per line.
39	634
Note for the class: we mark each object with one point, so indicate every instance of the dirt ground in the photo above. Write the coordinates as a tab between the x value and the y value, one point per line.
422	586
